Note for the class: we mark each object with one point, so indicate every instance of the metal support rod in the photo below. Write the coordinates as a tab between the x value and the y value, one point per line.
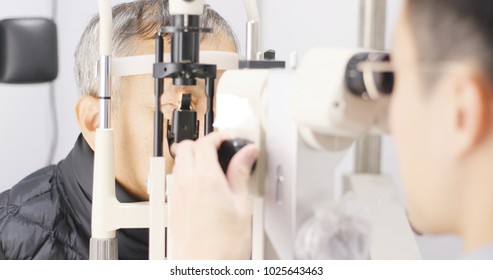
209	115
372	24
158	88
103	249
252	40
105	91
372	36
52	90
252	37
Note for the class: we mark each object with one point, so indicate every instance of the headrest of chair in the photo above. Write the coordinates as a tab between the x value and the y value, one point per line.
28	51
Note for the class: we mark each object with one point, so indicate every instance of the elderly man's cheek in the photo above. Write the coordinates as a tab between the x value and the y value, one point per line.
167	110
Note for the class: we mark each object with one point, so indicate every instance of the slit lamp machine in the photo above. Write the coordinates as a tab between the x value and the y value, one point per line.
303	120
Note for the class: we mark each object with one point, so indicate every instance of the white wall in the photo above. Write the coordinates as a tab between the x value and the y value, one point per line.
288	25
24	129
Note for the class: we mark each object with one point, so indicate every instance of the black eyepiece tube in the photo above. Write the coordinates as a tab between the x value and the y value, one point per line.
185	44
209	114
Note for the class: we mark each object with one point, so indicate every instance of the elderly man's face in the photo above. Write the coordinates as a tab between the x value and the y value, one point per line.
133	118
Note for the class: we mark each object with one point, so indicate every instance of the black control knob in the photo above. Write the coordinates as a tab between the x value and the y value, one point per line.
228	149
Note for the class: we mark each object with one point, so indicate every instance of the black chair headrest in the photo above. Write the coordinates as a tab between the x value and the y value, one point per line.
28	51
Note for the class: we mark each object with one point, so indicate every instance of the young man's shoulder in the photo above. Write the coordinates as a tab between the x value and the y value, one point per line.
33	221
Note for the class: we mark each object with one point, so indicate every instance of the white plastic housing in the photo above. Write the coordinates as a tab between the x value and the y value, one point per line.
143	64
103	185
182	7
108	214
157	208
322	103
239	105
252	10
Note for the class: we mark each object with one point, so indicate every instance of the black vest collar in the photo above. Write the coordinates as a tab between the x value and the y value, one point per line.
74	175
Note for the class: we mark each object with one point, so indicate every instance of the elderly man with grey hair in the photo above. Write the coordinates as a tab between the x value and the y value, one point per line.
48	214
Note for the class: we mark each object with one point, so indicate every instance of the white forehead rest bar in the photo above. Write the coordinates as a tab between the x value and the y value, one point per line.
143	64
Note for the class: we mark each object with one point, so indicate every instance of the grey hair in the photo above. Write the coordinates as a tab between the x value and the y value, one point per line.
132	21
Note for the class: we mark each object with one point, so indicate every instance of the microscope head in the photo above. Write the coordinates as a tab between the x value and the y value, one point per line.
338	95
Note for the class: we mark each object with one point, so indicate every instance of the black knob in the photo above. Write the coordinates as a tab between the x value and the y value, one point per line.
270	55
228	149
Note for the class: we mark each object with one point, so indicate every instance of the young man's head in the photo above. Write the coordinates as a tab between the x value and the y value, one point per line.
134	27
442	115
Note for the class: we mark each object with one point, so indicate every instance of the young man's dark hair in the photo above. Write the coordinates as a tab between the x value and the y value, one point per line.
448	30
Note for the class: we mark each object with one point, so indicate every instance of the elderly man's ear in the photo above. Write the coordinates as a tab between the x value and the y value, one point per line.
87	116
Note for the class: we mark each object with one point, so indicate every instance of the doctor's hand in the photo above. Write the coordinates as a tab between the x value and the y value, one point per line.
210	213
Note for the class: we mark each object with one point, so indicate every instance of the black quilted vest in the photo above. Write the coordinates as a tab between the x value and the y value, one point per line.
48	214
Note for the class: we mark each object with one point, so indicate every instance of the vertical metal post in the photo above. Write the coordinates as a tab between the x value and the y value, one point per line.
372	35
53	109
252	40
253	29
158	92
105	91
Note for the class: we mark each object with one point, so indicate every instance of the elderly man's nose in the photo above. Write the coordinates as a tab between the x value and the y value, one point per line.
182	91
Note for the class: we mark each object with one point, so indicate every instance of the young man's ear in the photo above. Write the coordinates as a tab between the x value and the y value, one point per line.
86	114
472	96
